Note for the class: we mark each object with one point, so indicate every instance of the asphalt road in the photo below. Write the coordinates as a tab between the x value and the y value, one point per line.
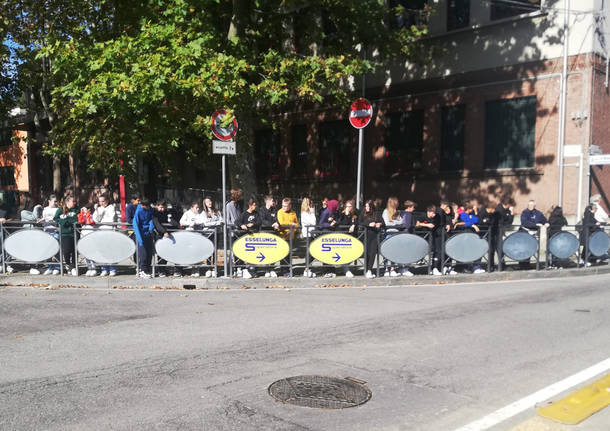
435	357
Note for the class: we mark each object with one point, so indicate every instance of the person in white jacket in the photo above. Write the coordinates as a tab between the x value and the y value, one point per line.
50	227
105	213
210	218
190	220
191	217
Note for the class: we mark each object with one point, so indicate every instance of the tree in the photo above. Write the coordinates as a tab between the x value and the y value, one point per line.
147	85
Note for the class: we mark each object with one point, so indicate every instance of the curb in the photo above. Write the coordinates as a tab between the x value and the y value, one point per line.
170	283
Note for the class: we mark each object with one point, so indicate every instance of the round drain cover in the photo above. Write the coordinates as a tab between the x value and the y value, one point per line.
320	392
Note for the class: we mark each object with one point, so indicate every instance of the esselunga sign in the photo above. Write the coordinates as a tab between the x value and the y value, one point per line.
336	248
261	248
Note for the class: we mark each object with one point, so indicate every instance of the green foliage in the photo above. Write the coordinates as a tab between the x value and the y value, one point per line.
145	78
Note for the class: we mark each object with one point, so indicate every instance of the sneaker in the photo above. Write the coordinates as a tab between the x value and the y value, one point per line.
478	270
330	275
143	274
213	274
588	264
91	273
55	272
369	274
435	271
49	271
10	269
386	274
112	273
104	273
73	272
34	271
267	274
273	274
452	271
195	274
393	273
246	274
162	274
407	273
349	274
177	274
306	273
239	272
208	273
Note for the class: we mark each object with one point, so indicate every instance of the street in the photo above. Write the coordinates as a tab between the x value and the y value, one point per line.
435	357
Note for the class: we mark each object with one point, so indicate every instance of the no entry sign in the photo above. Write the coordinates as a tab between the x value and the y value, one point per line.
360	113
225	133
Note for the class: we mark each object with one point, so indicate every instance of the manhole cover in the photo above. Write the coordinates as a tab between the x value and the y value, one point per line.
320	392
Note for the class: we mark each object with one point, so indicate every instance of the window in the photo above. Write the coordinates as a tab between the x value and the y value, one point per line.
267	155
405	13
458	14
335	154
510	129
299	151
501	9
6	137
404	141
7	176
452	138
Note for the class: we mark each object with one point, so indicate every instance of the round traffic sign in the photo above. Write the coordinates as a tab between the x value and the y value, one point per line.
360	113
224	133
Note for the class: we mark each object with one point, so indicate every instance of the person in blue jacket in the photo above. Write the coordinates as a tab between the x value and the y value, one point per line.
143	226
532	219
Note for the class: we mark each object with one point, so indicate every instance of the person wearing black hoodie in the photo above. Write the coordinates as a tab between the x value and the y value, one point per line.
589	225
556	222
249	221
371	221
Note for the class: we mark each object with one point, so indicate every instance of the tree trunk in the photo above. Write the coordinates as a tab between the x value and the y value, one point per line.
241	166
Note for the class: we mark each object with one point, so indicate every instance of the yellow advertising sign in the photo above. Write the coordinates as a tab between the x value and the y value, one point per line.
261	248
336	248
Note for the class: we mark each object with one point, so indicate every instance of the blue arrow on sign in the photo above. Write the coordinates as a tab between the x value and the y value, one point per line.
260	256
336	257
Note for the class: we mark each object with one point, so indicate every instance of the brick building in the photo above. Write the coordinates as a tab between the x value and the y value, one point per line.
479	122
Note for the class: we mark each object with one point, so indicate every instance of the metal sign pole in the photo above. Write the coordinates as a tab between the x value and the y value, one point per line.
224	207
359	177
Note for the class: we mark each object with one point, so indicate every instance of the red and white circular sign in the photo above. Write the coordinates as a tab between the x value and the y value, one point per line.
360	113
223	133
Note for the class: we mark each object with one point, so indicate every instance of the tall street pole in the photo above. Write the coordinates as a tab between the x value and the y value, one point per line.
563	100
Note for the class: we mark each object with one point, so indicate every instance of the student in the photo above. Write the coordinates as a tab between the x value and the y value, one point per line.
328	216
556	222
431	222
408	223
323	206
85	219
249	221
488	219
589	225
308	218
447	222
233	207
469	221
371	221
163	217
105	213
143	226
347	221
50	227
287	217
66	216
131	207
209	216
191	218
392	220
268	213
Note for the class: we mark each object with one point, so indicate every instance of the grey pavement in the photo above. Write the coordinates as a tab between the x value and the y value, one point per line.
435	356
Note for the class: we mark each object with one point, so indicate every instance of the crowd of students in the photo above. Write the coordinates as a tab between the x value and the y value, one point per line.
447	218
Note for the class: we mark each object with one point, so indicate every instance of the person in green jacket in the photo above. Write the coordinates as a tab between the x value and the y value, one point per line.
66	216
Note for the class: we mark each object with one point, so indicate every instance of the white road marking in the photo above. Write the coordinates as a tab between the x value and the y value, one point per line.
530	401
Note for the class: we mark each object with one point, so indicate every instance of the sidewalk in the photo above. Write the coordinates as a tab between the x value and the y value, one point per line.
133	282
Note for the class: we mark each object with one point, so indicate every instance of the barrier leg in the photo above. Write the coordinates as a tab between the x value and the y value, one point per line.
75	251
61	256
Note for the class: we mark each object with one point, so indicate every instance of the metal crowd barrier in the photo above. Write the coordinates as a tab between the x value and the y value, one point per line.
405	248
187	248
110	244
262	248
336	248
105	244
29	242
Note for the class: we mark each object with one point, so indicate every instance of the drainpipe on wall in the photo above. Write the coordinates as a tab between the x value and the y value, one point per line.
562	101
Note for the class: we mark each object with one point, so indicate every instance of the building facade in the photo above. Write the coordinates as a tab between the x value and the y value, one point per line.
481	121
